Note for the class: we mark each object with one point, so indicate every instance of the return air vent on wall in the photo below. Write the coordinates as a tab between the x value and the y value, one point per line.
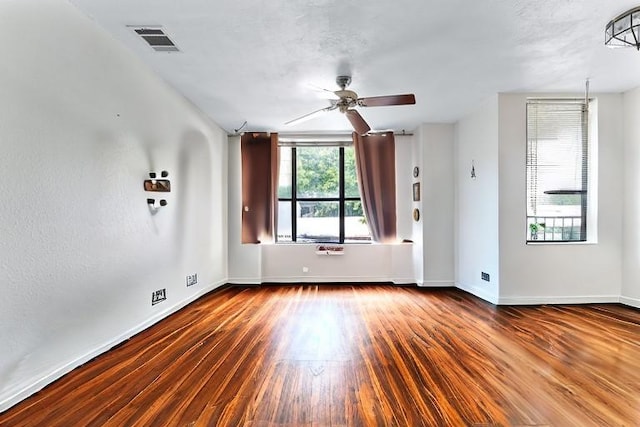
156	38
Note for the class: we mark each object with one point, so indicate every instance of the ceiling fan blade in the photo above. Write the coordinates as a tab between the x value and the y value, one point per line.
358	123
321	92
310	115
380	101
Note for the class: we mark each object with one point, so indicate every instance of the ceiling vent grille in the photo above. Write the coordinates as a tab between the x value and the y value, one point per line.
157	39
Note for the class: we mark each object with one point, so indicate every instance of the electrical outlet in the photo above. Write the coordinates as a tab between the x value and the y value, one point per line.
192	279
158	296
305	269
485	277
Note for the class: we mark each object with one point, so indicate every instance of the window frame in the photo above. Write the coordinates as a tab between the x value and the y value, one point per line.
585	192
341	199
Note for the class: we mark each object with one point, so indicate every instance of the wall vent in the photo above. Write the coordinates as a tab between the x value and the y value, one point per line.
156	38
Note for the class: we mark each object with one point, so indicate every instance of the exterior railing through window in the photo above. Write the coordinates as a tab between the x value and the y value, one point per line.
554	228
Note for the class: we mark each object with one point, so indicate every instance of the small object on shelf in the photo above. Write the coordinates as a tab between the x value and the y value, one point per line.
160	185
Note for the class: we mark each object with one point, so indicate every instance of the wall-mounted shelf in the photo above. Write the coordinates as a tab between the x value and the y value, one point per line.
157	185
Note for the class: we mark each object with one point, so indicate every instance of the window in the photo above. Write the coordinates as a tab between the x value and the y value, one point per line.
318	195
557	170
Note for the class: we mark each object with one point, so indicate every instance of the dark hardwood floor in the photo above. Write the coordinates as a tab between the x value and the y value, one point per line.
364	355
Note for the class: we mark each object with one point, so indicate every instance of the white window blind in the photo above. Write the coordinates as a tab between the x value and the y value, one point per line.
557	170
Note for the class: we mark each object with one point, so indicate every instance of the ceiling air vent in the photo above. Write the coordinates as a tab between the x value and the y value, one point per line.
157	39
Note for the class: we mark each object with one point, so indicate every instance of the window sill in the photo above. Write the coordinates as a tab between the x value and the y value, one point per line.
318	243
543	243
363	243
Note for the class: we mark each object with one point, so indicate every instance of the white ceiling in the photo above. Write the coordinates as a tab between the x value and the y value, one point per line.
253	60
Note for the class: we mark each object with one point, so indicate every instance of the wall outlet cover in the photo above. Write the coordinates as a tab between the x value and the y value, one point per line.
192	279
158	296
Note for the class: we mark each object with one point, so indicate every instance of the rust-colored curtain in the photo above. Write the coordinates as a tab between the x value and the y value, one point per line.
259	186
376	166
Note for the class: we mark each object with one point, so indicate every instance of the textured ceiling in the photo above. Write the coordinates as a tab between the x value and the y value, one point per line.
253	60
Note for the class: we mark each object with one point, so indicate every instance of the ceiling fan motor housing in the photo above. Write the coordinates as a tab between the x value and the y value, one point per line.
348	99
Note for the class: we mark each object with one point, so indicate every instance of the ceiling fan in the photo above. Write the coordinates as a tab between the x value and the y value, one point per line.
348	100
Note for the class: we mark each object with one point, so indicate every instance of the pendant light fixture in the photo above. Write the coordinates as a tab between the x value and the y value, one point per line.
624	30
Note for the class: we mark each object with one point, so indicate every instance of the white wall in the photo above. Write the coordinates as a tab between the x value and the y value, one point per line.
417	229
82	122
555	273
283	263
437	204
631	225
404	179
476	201
360	262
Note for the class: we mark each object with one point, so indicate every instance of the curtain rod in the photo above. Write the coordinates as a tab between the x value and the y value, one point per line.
326	137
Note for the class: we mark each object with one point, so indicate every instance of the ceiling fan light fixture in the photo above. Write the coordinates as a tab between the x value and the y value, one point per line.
624	30
343	81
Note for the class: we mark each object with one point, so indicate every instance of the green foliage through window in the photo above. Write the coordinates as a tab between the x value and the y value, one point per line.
322	192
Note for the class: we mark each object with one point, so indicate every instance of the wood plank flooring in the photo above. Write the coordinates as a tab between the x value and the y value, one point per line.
357	355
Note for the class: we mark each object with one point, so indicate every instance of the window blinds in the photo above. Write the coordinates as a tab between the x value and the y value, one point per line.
557	162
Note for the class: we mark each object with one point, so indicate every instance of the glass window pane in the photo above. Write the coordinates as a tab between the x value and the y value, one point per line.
318	222
317	171
284	180
284	222
350	176
355	225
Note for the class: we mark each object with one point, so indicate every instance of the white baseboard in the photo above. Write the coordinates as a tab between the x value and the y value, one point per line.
16	394
326	279
404	281
244	280
479	292
437	283
633	302
540	300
